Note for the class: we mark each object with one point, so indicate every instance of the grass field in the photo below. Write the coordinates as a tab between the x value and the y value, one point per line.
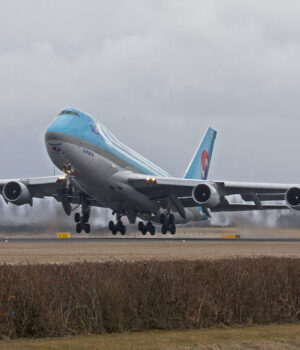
259	338
68	251
275	337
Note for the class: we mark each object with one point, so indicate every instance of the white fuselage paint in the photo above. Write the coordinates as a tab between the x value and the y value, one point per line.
93	173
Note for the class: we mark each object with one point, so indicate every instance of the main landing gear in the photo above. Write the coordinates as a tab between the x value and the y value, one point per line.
118	227
149	227
82	222
168	224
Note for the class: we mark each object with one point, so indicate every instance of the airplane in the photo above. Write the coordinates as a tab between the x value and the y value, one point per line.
100	171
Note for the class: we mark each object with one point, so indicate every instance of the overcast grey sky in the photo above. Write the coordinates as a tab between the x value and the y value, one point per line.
157	74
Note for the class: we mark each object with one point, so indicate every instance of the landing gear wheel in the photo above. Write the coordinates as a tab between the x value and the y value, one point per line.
152	230
114	230
164	229
122	230
77	217
111	225
141	226
87	228
85	218
171	219
162	219
173	230
78	228
148	226
144	231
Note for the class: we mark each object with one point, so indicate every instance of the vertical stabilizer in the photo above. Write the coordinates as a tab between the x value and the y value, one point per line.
199	166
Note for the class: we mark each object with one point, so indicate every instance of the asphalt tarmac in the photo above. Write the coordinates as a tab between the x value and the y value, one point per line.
142	239
38	250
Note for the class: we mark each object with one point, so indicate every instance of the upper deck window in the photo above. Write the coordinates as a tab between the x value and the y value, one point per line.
69	112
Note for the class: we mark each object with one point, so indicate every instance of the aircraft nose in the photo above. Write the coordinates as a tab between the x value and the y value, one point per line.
52	133
53	126
68	123
64	123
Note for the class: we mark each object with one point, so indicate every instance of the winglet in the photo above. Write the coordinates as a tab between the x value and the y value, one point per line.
199	165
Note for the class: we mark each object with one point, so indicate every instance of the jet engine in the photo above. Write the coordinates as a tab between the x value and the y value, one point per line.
17	193
292	198
206	195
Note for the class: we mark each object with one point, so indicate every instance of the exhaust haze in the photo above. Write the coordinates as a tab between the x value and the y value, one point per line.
47	216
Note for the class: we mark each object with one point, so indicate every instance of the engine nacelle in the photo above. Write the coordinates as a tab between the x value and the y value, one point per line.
206	195
292	198
17	193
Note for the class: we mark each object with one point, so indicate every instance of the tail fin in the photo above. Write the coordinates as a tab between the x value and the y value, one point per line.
199	166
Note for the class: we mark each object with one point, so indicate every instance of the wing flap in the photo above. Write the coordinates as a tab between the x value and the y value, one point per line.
247	207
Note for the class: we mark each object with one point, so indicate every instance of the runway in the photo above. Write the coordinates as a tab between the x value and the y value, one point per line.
142	239
35	250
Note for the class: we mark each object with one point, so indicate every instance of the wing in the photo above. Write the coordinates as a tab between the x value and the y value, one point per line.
162	189
39	187
63	189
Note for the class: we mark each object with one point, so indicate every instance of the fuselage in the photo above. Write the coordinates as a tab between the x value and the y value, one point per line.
77	142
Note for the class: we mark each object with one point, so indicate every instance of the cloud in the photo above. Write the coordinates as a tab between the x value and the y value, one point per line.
157	74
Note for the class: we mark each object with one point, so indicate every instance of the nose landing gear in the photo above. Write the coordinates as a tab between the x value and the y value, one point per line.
83	219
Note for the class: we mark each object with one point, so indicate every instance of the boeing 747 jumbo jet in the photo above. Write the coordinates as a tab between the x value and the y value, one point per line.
100	171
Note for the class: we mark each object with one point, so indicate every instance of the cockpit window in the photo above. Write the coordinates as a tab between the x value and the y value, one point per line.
69	112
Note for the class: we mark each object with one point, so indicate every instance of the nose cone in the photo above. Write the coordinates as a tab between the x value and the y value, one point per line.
60	125
67	122
73	124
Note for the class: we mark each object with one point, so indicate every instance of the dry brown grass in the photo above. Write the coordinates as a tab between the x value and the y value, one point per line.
275	337
68	251
93	298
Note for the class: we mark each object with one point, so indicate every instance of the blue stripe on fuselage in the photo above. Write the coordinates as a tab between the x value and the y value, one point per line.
84	127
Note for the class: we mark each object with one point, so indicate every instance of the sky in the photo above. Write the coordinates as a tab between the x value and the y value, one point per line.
157	73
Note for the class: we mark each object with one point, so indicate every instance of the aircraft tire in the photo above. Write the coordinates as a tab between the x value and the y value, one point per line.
173	229
171	219
85	218
87	228
114	230
77	217
141	226
78	228
152	230
111	225
144	231
148	226
164	229
162	219
122	230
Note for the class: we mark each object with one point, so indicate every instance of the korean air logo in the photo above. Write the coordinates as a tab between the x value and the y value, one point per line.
204	164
